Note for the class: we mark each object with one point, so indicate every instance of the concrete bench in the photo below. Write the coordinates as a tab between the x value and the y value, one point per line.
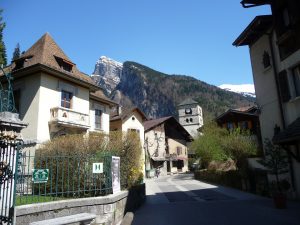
83	218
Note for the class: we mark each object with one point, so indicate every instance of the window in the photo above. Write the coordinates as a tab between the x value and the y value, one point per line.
179	150
187	120
296	80
188	111
191	120
66	99
137	131
64	64
98	119
17	96
284	86
230	126
266	60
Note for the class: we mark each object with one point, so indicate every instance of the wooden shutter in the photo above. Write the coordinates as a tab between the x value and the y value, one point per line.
284	86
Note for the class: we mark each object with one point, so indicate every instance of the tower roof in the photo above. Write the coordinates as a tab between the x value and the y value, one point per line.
188	101
47	53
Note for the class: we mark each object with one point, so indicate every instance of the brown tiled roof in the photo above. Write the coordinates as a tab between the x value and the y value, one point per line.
126	112
169	121
153	123
46	52
290	134
99	95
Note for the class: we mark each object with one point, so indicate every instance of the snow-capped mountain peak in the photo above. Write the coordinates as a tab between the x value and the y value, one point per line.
244	89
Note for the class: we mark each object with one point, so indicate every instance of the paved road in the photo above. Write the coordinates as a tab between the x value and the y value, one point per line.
181	200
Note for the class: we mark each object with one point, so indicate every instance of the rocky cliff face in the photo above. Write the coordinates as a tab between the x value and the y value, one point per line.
107	73
157	94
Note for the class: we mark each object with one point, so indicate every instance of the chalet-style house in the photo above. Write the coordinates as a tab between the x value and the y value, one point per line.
54	97
245	118
166	145
274	42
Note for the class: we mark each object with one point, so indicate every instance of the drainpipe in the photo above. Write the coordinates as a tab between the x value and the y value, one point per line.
276	79
292	172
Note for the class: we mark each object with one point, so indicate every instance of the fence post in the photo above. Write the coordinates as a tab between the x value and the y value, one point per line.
10	128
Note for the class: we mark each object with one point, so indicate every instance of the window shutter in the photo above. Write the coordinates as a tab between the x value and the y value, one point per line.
284	86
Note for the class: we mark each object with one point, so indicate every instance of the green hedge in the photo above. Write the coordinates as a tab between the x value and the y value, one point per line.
225	178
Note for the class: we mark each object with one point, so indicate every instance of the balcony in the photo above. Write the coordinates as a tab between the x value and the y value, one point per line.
69	118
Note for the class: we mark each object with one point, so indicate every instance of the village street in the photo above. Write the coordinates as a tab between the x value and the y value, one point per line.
181	200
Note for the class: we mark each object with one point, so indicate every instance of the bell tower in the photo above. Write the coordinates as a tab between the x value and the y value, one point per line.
190	116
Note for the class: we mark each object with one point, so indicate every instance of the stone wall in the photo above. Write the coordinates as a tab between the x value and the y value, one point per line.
108	209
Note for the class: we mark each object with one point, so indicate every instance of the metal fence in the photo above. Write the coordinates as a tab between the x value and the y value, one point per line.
9	150
43	178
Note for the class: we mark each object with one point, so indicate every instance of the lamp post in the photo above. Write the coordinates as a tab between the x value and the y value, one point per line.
7	102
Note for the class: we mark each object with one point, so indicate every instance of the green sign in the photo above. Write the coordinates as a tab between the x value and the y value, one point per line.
40	175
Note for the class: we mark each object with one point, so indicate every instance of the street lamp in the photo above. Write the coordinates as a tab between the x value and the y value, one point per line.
7	102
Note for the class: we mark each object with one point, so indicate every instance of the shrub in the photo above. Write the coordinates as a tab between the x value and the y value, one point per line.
81	151
227	178
219	144
209	145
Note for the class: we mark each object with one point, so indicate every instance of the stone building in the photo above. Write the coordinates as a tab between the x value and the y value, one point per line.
190	116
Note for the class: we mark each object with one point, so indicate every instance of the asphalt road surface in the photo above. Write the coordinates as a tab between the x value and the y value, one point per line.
181	200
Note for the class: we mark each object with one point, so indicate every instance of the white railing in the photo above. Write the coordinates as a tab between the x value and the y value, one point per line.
69	117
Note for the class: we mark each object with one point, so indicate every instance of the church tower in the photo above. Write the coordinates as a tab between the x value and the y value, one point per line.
190	116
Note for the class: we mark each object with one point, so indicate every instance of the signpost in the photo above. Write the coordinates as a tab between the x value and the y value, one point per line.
40	175
115	172
97	167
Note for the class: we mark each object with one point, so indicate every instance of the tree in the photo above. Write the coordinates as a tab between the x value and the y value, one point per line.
3	60
17	52
208	147
219	144
276	161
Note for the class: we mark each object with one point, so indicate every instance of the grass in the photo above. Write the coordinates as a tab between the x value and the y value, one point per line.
32	199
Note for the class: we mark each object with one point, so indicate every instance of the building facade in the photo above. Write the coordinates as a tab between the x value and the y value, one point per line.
274	43
54	97
130	120
190	116
166	145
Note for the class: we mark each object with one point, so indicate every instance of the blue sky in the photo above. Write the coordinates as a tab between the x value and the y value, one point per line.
191	37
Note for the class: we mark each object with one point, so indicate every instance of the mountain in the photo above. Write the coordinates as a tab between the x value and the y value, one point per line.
107	73
157	94
244	89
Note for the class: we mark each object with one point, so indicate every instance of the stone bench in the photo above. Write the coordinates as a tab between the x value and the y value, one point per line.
83	218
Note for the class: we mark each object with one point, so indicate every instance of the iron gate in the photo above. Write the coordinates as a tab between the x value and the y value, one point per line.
9	156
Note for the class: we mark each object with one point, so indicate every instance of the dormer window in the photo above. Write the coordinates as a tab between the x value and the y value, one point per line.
64	64
19	63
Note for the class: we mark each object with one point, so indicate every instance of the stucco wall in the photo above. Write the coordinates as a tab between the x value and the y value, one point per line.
156	142
173	144
266	93
105	115
52	86
265	89
135	121
29	87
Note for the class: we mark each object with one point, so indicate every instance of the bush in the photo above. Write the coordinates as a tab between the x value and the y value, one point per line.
227	178
209	146
219	144
90	148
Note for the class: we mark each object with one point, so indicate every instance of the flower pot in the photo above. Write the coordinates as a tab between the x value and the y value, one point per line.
279	200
